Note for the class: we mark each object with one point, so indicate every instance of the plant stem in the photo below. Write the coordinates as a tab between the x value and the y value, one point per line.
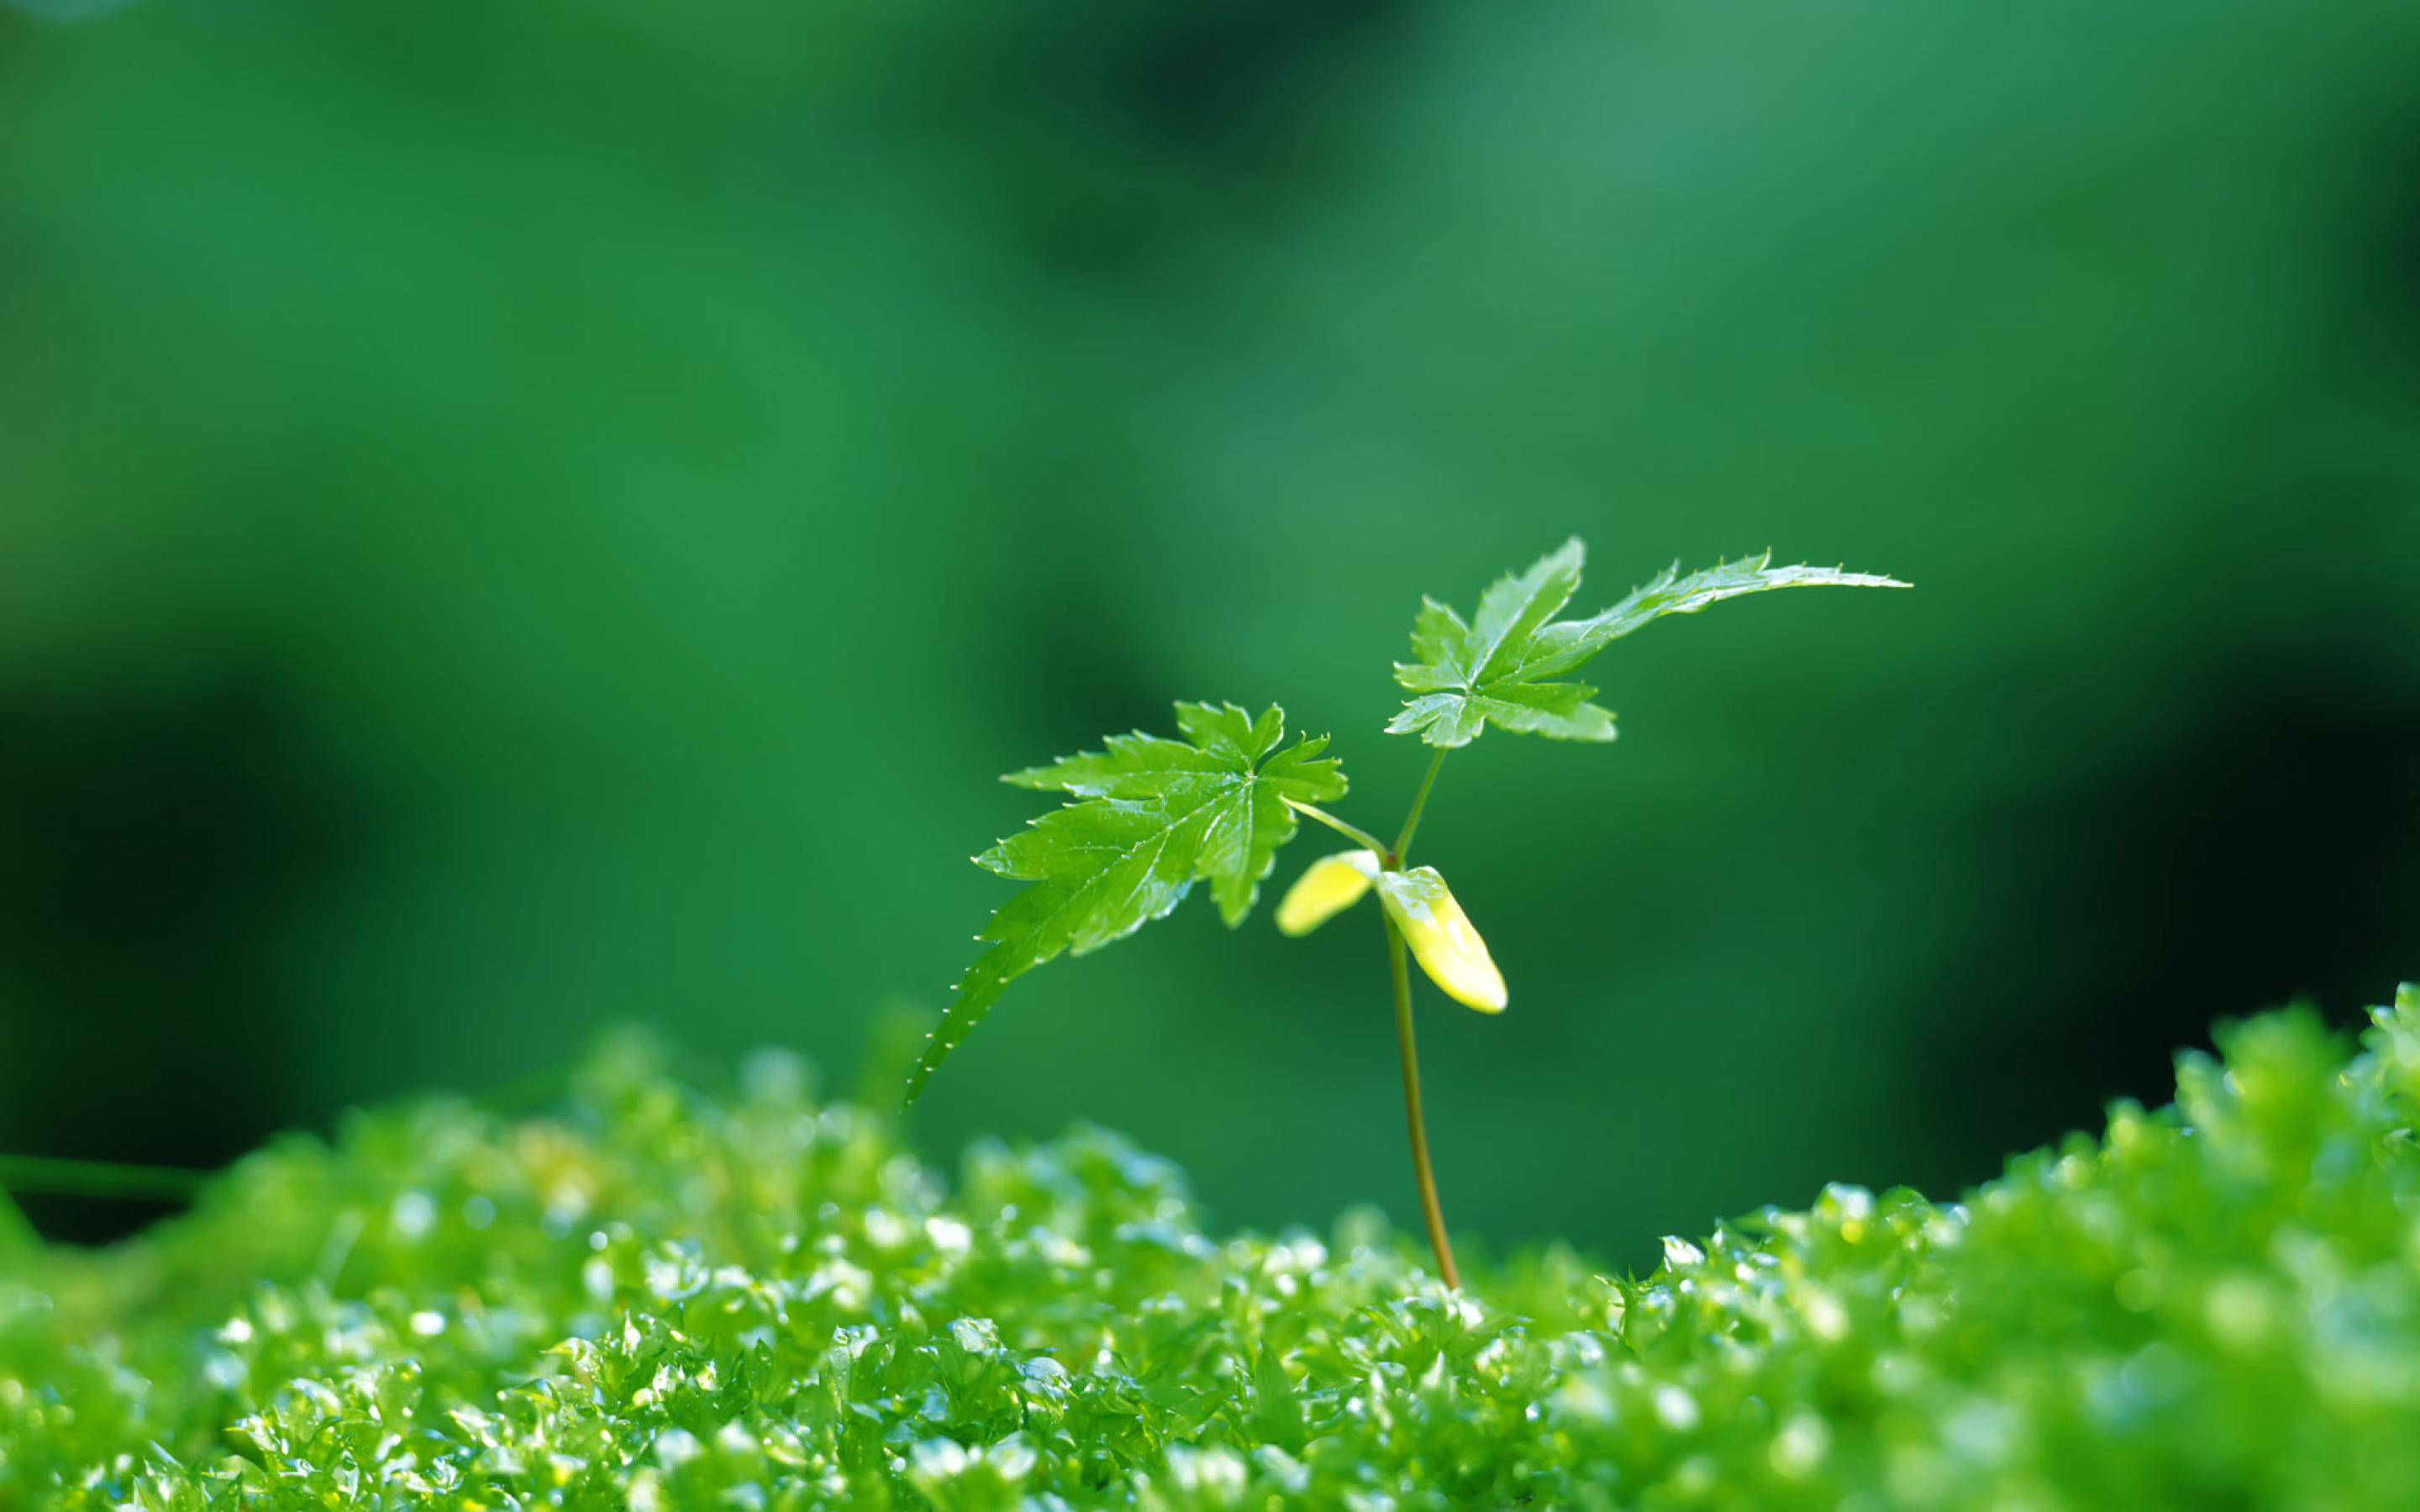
1431	1212
1419	805
17	1234
1351	832
97	1178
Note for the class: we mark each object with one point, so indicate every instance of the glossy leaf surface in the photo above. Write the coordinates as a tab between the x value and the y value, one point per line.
1153	816
1503	667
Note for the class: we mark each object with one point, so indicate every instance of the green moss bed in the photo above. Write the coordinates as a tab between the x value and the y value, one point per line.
656	1297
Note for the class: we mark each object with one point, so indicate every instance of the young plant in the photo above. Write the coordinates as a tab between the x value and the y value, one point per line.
1151	816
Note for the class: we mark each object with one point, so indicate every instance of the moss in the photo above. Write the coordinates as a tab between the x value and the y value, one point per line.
661	1298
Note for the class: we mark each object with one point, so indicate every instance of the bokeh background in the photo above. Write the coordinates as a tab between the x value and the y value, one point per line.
519	518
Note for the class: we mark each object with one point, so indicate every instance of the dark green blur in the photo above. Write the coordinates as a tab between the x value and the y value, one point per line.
514	519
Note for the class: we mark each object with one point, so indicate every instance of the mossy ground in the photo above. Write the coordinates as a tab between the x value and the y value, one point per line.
664	1298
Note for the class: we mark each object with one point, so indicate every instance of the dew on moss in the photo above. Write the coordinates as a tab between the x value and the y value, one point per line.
649	1298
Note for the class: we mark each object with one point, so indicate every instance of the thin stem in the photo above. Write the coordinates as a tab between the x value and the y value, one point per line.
16	1233
1431	1212
97	1178
1419	804
1350	832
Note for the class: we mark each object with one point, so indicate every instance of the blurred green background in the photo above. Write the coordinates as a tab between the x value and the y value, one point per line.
514	519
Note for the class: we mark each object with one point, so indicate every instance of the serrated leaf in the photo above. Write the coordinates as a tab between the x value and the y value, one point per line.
1153	816
1501	668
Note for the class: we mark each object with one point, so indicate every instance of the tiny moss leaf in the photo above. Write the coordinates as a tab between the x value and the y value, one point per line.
655	1296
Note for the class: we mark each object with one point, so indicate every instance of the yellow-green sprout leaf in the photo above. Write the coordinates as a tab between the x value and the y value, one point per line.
1153	817
1501	668
1442	938
1332	885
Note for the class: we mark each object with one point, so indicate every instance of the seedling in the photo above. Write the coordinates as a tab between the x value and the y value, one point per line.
1151	816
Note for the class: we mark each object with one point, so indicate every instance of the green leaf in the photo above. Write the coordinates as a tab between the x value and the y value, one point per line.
1277	1412
1153	817
1501	668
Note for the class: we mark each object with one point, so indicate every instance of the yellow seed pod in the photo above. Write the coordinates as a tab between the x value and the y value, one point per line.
1331	884
1442	938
